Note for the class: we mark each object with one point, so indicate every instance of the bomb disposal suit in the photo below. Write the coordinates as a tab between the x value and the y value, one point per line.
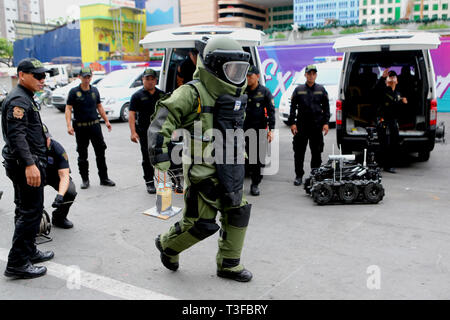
213	99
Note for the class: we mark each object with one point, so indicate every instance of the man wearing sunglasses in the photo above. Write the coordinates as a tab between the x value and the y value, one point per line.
84	101
25	154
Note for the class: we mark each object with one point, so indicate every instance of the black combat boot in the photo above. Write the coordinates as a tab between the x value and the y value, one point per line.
151	187
85	184
298	181
242	276
40	256
27	271
107	182
60	221
254	190
164	258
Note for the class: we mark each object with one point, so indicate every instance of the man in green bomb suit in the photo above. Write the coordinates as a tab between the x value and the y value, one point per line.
214	102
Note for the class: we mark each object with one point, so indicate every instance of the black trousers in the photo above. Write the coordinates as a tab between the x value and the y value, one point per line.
146	165
53	181
83	136
388	137
300	141
253	166
29	207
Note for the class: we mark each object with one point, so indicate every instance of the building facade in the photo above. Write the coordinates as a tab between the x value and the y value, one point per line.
317	13
281	16
109	32
381	11
31	11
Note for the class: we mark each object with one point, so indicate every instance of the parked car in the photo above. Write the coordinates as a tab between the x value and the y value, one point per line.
178	41
328	74
407	53
59	95
117	88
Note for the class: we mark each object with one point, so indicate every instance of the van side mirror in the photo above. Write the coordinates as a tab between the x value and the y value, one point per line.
53	72
137	83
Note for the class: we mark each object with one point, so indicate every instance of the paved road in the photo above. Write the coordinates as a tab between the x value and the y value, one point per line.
295	249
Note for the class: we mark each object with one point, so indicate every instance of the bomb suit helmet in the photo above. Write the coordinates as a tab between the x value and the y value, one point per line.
224	58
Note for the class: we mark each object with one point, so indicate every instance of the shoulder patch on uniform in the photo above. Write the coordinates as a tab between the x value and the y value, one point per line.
65	156
18	112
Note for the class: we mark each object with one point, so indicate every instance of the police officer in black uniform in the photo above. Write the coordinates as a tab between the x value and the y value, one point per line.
308	118
259	115
84	100
390	101
25	161
142	106
58	176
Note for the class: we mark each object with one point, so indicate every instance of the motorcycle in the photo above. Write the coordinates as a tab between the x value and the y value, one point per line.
44	97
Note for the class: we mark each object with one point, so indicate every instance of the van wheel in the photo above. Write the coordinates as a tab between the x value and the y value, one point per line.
424	155
125	112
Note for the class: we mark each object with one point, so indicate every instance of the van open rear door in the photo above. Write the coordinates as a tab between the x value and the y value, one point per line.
185	37
387	40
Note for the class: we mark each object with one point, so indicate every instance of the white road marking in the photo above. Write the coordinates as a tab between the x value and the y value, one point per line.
97	282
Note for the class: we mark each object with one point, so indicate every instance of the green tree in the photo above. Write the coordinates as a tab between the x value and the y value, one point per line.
6	52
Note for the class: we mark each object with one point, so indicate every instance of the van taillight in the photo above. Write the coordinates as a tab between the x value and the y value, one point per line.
338	112
433	112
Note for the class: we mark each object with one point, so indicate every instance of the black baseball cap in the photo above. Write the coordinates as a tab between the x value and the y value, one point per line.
31	65
86	72
311	67
150	72
253	70
392	73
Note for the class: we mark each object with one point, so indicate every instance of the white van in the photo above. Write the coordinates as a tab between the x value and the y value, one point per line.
58	75
328	74
178	41
365	56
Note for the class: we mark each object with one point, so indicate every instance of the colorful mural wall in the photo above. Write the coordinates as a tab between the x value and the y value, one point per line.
281	63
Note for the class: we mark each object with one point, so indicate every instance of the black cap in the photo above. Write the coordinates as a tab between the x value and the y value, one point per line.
150	72
31	65
392	73
311	67
253	70
86	72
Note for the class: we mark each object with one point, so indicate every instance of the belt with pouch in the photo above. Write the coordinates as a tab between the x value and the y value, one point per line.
86	124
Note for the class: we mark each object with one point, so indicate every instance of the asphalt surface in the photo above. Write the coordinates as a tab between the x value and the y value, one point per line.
397	249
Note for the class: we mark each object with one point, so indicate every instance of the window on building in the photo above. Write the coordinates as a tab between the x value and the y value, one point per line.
389	1
373	11
364	2
364	11
103	47
372	1
444	6
444	16
389	10
435	7
381	10
435	16
381	1
373	21
425	7
381	20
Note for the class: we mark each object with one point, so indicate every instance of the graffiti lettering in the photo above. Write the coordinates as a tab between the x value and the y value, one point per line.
442	85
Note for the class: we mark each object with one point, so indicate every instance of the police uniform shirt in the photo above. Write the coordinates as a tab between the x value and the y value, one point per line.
260	110
57	157
84	103
143	103
390	101
311	104
22	128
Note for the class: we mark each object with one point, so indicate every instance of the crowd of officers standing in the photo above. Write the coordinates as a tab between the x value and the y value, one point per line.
33	159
